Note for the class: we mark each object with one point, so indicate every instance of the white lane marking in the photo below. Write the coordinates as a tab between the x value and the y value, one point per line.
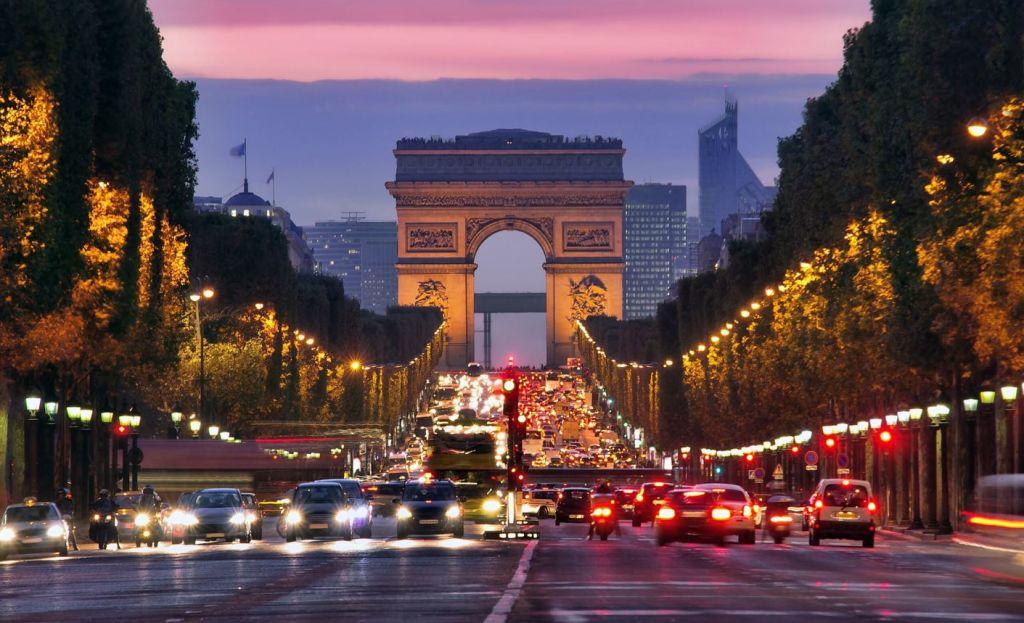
501	610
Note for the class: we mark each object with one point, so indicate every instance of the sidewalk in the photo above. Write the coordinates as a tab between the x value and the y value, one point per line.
903	532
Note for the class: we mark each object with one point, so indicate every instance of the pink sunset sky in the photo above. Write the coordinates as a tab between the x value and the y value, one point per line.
309	40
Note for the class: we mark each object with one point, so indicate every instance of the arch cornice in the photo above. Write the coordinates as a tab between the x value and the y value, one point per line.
540	228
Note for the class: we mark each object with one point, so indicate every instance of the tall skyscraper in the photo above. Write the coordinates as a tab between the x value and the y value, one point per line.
727	183
362	254
655	246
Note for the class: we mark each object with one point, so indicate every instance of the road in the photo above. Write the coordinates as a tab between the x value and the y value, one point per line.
562	577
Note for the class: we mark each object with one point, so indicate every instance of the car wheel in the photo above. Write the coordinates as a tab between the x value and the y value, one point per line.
813	538
366	531
557	520
720	540
748	538
190	540
138	542
542	512
245	538
869	541
348	534
402	533
231	539
63	551
258	534
175	541
636	521
460	531
661	538
290	536
779	540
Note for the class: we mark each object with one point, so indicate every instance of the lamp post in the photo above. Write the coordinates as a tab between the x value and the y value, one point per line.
1005	463
87	471
939	416
32	404
205	294
194	425
916	521
175	431
103	445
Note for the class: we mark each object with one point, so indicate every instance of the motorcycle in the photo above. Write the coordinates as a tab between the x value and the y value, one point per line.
778	523
603	517
103	529
147	529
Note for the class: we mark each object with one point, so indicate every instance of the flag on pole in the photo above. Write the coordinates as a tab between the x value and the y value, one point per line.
271	178
238	150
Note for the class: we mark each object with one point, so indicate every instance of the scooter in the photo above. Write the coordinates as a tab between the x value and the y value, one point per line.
603	521
147	530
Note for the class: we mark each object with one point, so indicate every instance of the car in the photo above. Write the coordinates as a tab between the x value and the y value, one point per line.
33	527
318	509
429	507
178	518
481	502
842	508
127	506
359	505
650	496
573	505
624	497
540	502
217	513
384	497
712	511
252	506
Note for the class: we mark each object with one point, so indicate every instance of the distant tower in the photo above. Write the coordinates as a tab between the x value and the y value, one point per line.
727	183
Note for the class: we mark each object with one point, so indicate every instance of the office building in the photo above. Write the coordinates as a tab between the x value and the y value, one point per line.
362	254
727	183
655	246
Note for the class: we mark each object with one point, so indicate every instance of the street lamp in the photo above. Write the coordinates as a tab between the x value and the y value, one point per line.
891	420
176	417
195	426
213	430
225	435
875	423
50	408
32	404
73	412
85	416
977	127
971	406
208	292
106	417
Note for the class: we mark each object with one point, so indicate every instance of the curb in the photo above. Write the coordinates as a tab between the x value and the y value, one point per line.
916	535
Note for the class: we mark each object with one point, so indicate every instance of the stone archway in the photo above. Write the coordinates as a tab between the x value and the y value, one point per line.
567	195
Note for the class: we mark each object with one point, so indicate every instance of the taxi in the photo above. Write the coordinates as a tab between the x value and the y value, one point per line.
33	527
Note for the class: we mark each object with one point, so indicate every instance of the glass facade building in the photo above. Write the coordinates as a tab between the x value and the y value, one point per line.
655	246
362	254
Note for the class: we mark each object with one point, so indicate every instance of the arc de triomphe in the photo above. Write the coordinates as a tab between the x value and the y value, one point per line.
566	194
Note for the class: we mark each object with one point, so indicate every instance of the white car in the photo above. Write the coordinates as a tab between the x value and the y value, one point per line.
842	508
540	503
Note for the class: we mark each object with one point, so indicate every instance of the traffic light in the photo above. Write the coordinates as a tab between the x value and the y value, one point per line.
885	436
121	430
750	458
795	449
830	442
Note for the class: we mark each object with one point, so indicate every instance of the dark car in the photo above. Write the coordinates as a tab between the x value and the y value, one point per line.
650	496
430	507
713	511
384	497
624	497
362	515
33	527
217	514
318	509
573	505
252	507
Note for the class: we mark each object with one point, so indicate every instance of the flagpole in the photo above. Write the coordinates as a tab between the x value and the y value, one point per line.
245	162
273	187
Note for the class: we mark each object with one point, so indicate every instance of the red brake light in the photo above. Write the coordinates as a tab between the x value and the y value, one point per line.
780	519
640	496
818	504
872	507
666	512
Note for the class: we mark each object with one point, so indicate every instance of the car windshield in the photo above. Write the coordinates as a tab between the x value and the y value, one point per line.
124	500
845	495
421	491
185	500
392	489
20	514
544	495
702	497
656	490
326	494
352	490
216	499
576	495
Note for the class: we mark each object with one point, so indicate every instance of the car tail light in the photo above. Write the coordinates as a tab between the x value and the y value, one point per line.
747	512
640	496
601	511
780	519
720	513
872	507
818	504
666	512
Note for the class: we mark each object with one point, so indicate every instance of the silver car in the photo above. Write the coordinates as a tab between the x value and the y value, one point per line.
33	527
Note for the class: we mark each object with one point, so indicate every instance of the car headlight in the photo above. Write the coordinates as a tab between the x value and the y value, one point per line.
453	512
238	519
341	516
55	531
293	517
96	517
360	512
142	519
189	519
491	505
403	513
7	534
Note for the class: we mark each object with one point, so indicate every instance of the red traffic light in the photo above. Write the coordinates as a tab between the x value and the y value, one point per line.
121	429
521	418
885	436
830	442
750	458
795	449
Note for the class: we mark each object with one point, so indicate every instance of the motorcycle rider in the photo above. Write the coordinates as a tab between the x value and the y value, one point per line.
104	505
66	506
149	501
603	496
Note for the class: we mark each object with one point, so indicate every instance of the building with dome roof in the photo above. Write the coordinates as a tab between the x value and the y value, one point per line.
250	205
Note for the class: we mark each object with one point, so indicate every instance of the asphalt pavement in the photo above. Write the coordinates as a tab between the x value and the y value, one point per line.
561	577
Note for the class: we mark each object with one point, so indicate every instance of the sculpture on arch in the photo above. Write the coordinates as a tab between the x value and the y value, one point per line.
432	293
589	298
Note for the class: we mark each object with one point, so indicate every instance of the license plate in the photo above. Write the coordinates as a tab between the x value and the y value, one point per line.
429	522
575	516
215	535
32	539
627	507
844	515
318	526
693	513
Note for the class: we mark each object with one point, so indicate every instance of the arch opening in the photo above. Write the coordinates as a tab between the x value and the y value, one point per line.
510	261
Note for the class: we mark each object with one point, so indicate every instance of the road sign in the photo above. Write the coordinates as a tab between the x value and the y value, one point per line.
843	471
759	474
778	473
811	458
135	456
812	468
842	460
